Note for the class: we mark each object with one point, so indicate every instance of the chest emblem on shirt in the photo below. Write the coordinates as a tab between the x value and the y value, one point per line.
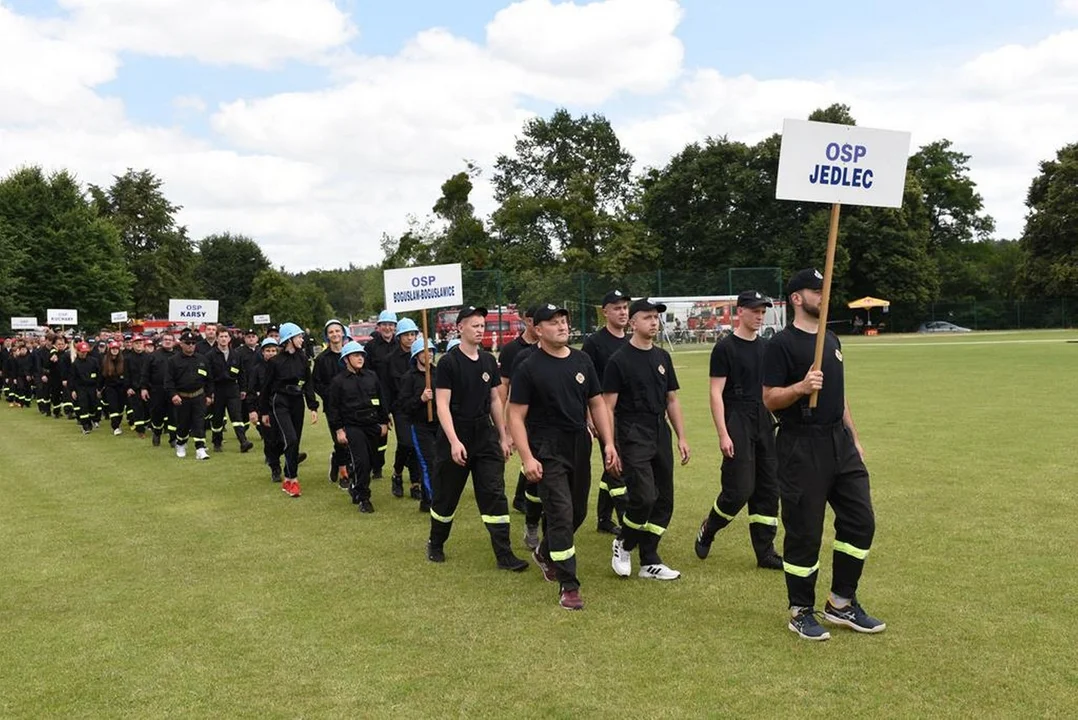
486	377
662	369
838	354
580	378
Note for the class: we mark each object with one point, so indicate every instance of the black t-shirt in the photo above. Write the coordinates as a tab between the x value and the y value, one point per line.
510	354
601	346
641	378
787	357
741	362
470	382
556	390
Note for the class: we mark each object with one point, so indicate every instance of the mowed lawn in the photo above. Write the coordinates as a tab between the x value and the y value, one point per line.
135	584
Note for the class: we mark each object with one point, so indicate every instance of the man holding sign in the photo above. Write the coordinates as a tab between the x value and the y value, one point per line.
820	463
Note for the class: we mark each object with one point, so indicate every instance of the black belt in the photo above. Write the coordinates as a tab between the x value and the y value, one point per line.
191	394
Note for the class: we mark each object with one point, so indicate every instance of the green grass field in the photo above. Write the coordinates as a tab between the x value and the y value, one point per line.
135	584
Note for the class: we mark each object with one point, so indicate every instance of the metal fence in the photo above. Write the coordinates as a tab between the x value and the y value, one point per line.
582	294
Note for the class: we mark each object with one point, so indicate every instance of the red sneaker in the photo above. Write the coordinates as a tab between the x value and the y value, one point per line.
571	600
293	489
286	486
549	574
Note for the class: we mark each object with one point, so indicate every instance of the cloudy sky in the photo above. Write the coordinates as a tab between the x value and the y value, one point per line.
314	126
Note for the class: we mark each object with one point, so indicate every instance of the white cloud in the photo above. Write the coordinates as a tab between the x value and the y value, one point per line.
1067	7
317	177
256	33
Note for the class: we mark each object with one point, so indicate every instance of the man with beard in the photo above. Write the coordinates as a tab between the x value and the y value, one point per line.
820	463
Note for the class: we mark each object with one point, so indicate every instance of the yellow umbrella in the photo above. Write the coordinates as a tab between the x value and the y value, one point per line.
867	303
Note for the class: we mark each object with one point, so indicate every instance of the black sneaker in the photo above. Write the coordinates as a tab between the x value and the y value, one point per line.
156	442
703	542
609	527
376	475
398	486
770	560
511	562
804	623
435	553
424	506
353	491
854	617
301	457
416	493
365	506
246	446
275	475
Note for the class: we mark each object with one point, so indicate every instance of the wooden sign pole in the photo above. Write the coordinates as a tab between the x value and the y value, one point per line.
426	364
828	270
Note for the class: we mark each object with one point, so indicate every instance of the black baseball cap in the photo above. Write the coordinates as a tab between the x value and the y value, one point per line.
807	279
250	331
273	329
645	305
189	337
529	312
548	312
614	296
467	312
753	299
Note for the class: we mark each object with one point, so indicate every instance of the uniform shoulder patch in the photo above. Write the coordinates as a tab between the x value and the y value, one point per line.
662	369
838	354
580	378
486	377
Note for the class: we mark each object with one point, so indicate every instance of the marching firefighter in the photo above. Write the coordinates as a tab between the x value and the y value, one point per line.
746	436
286	387
114	384
472	441
357	414
271	447
414	403
83	383
226	369
189	387
153	393
378	350
326	367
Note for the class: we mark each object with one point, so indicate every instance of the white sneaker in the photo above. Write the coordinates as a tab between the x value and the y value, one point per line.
201	454
181	451
117	431
622	560
659	572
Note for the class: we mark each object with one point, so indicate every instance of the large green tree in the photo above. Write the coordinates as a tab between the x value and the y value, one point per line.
1050	240
562	191
227	267
158	251
72	257
278	295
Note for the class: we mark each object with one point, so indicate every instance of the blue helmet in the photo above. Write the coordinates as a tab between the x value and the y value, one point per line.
406	325
351	348
334	321
289	331
417	348
268	342
452	344
387	316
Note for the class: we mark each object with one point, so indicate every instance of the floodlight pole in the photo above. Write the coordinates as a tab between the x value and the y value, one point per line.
828	270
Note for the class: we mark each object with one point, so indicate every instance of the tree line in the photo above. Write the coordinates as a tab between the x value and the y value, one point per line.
569	201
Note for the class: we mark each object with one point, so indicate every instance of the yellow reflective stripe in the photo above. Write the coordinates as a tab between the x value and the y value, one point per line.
441	518
720	513
234	370
654	529
495	519
800	571
201	372
531	498
851	550
383	447
604	486
93	375
629	523
561	555
375	401
239	424
618	491
301	383
764	520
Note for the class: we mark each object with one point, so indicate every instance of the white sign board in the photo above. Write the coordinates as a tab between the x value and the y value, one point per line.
420	288
192	311
24	323
262	319
62	317
119	317
830	163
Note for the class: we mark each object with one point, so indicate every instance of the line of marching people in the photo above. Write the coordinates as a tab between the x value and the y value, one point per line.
466	415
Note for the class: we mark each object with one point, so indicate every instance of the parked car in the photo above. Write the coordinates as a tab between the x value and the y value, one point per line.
362	332
940	326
